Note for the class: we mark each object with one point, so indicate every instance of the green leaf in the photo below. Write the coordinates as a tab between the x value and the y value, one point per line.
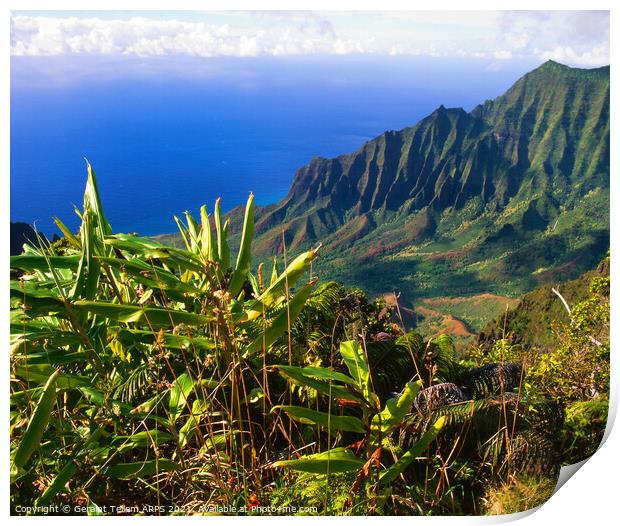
418	448
205	232
96	397
56	357
299	377
89	268
31	262
187	431
59	482
277	290
209	246
141	439
274	271
323	373
146	406
93	202
254	283
280	324
445	345
395	409
47	340
140	469
149	275
36	302
94	510
193	232
154	316
333	422
244	258
335	460
68	234
38	423
223	251
184	232
355	360
170	341
219	441
39	374
151	249
179	393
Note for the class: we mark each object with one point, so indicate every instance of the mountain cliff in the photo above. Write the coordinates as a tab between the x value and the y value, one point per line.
21	233
499	199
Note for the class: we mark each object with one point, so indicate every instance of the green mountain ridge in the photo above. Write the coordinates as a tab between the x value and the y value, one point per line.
500	199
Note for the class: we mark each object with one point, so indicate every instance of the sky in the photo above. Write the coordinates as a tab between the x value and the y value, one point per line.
166	93
576	38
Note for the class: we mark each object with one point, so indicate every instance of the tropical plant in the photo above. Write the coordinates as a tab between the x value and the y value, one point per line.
134	360
373	424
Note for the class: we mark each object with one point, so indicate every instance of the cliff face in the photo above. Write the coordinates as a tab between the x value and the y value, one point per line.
442	161
21	233
518	177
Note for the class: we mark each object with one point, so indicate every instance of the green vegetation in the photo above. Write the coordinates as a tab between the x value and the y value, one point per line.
151	379
572	367
531	322
461	317
498	200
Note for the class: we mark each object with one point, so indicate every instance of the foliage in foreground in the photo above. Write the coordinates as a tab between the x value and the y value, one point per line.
174	380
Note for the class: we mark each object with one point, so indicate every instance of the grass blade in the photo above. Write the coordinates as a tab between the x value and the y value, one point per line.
154	316
59	482
244	258
276	290
395	409
280	323
333	422
147	468
420	446
355	359
223	252
38	423
337	460
73	240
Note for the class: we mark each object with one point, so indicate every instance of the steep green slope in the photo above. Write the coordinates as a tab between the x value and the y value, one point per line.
531	321
497	200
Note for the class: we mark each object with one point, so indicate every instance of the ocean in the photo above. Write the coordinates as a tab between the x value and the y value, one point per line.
167	136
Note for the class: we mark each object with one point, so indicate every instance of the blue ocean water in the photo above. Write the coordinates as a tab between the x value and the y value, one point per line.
166	136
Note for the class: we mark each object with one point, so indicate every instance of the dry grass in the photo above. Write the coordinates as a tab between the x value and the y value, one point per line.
520	494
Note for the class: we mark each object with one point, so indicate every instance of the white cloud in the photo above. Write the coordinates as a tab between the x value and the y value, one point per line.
35	36
503	54
568	55
577	38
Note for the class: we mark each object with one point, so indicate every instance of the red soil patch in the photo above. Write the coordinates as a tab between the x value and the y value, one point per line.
455	327
447	324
